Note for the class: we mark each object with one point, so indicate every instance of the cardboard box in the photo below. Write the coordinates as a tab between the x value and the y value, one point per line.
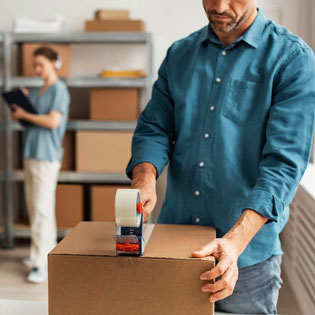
62	50
69	205
68	159
111	14
122	25
99	151
86	277
114	104
103	202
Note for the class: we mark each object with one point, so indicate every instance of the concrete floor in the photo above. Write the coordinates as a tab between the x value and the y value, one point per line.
14	287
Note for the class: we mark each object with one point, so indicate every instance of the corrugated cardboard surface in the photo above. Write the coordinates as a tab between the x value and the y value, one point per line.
103	202
68	160
103	151
123	25
69	205
103	14
114	104
27	58
85	276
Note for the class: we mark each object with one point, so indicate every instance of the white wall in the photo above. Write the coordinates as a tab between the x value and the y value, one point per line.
168	20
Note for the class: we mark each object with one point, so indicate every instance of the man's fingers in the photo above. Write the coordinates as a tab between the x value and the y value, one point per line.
218	270
220	295
226	282
148	208
204	251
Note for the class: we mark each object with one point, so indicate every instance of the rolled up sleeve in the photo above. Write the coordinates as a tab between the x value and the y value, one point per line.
289	134
155	128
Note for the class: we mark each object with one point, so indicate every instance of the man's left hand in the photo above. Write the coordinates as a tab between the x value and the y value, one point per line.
227	255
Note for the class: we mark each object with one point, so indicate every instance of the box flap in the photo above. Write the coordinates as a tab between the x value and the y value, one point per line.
177	241
166	241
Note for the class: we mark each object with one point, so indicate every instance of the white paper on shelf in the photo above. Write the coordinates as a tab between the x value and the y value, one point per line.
28	25
126	207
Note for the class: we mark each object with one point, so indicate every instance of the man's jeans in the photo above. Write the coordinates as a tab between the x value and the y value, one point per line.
256	291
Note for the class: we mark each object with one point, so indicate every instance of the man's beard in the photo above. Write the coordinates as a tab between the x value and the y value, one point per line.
226	27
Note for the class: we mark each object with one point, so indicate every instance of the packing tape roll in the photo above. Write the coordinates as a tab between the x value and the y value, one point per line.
126	207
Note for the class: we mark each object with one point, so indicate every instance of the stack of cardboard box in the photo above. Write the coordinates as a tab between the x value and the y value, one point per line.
103	202
114	104
113	21
69	205
102	151
94	151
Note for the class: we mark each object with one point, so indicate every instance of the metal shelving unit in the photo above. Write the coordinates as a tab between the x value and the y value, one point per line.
9	176
80	177
82	82
74	125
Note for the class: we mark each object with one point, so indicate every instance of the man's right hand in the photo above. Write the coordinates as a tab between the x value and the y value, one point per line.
144	178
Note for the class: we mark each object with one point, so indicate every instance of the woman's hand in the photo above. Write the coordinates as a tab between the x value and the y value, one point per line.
25	91
18	113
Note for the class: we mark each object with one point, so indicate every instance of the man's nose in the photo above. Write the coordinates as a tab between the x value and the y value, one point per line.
222	5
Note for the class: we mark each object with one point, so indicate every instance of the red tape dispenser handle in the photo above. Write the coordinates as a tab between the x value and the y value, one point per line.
139	207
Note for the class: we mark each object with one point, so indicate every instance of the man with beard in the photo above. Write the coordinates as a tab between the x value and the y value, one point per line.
232	112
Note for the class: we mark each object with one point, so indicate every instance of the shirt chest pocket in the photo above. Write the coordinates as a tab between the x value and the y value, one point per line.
242	102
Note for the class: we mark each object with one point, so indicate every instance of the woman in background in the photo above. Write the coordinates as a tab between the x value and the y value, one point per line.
42	153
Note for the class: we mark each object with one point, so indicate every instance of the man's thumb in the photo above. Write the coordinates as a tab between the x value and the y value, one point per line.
204	251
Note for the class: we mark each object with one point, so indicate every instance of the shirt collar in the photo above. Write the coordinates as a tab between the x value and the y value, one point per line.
251	36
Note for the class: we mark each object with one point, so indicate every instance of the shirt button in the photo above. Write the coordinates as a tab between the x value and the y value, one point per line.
201	164
197	220
206	136
218	80
223	52
197	192
173	142
212	108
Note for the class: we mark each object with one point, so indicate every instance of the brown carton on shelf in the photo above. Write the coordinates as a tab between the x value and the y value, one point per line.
115	26
68	160
106	14
63	50
103	202
69	205
114	104
86	277
103	151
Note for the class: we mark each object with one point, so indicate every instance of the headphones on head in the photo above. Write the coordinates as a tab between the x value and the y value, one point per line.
58	63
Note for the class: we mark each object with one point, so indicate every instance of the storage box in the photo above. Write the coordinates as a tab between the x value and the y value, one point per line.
103	14
86	277
122	25
114	104
69	205
103	202
68	159
62	50
99	151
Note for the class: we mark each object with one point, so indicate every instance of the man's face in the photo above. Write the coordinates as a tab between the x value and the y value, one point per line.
228	15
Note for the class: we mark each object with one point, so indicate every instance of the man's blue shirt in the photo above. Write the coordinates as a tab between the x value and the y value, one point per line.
235	124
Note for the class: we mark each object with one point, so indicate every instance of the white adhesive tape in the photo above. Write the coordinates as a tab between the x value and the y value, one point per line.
126	207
